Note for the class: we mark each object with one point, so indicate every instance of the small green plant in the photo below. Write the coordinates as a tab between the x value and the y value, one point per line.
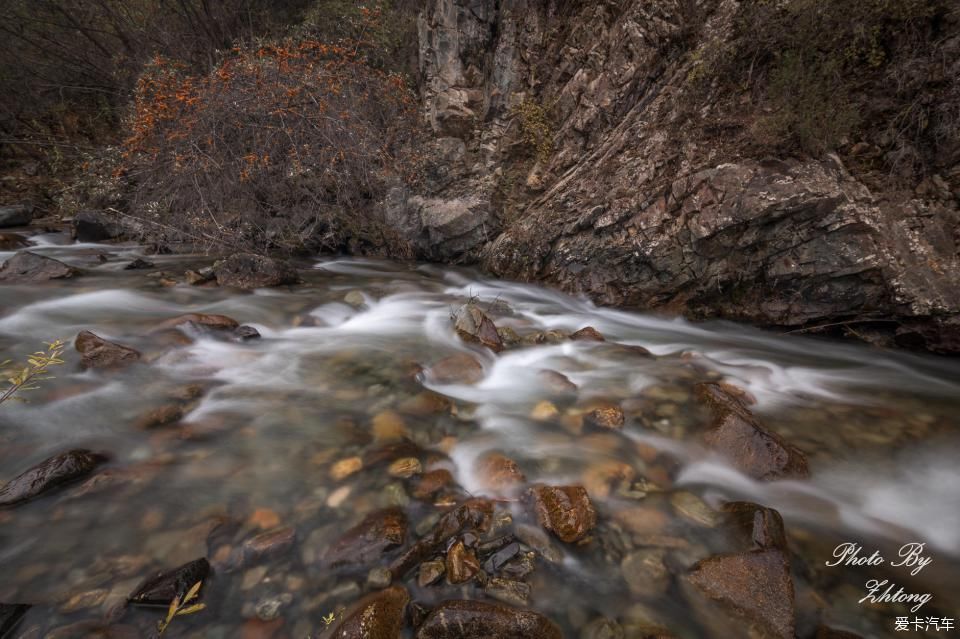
36	370
181	606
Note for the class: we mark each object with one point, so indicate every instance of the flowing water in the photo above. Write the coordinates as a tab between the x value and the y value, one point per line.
266	421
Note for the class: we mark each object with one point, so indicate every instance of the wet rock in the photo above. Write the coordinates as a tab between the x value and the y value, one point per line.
556	382
10	616
206	320
602	628
508	336
245	334
461	564
50	474
405	468
12	241
694	509
96	226
540	542
16	215
758	527
100	353
268	544
379	615
269	609
462	619
553	336
377	533
83	600
739	436
643	520
355	298
345	467
587	334
164	587
544	411
472	325
601	476
201	277
755	587
509	591
388	426
379	578
498	472
566	511
27	267
501	557
430	572
264	519
645	573
605	417
474	514
247	271
161	416
139	264
456	369
432	482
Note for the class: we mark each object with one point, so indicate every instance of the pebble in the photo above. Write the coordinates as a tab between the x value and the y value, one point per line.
388	426
430	571
405	468
379	578
645	573
269	609
544	411
345	467
337	497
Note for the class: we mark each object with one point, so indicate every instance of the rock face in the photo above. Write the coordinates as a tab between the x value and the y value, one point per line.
566	511
50	474
246	270
625	200
461	619
376	616
99	353
27	267
739	436
17	215
754	586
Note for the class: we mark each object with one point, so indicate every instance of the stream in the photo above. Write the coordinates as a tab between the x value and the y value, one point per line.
266	430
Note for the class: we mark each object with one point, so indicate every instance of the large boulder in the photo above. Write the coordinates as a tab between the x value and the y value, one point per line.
379	615
463	619
100	353
96	226
739	436
247	270
28	267
16	215
52	473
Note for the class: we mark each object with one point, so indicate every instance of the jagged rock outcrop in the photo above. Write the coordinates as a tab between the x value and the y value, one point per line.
630	204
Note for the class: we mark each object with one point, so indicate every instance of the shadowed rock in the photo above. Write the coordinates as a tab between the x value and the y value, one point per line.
736	434
164	587
473	514
247	270
49	474
378	532
100	353
16	215
11	241
10	616
462	619
31	267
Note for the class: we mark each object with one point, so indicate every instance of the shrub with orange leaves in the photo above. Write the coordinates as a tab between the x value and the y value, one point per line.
285	145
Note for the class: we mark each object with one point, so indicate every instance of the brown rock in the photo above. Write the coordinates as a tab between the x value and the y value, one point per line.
379	615
754	586
388	426
474	514
218	322
246	270
607	416
161	416
643	520
456	369
739	436
27	267
556	382
377	533
10	241
99	353
345	467
566	511
432	482
645	573
268	544
599	478
405	468
461	564
462	619
498	472
587	334
472	325
757	527
264	519
50	474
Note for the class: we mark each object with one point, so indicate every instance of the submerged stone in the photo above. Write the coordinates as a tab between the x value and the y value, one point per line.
463	619
49	474
28	267
164	587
